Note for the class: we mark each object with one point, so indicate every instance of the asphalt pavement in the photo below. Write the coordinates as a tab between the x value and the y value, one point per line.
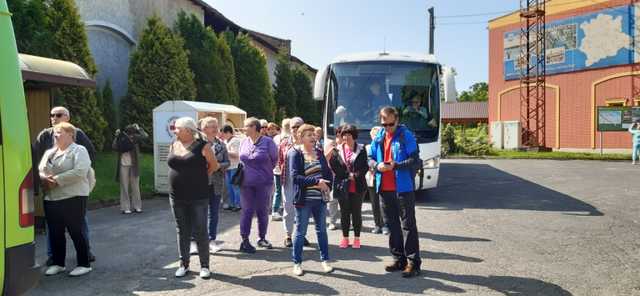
492	227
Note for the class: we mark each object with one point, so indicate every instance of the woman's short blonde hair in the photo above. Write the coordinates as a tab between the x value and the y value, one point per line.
67	128
305	128
204	122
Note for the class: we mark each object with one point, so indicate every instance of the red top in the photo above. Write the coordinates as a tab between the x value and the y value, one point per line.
388	177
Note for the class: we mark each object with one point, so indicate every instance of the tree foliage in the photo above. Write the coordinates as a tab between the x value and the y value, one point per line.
228	70
251	74
201	44
31	26
478	92
105	100
69	42
159	71
283	91
306	106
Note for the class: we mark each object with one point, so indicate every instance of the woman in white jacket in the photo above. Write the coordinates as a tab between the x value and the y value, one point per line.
64	172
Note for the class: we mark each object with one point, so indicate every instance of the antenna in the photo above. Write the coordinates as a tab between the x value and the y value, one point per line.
384	48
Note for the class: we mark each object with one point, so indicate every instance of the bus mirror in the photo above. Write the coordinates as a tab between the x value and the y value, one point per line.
320	84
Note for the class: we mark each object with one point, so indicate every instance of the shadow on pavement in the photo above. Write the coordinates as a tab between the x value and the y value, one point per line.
451	238
137	251
432	280
481	186
279	284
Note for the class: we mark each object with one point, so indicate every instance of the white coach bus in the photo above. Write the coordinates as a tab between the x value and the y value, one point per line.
354	88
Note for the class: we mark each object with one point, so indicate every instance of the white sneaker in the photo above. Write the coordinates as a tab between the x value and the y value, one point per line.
126	212
275	216
54	269
297	269
193	249
182	271
80	270
205	273
326	267
214	247
332	226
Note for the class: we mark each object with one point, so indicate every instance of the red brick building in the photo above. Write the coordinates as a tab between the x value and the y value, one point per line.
591	62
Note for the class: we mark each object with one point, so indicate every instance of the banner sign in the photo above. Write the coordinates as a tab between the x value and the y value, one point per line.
602	39
616	119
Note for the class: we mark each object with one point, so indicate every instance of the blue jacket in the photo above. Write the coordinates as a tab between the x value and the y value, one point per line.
298	180
404	151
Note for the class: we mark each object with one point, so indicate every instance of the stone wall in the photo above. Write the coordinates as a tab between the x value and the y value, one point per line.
114	28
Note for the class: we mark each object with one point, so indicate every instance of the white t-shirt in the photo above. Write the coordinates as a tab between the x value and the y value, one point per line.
233	146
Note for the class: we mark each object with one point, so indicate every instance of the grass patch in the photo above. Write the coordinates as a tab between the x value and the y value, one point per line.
106	186
509	154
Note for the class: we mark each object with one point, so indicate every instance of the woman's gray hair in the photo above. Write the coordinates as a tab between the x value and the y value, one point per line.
190	124
253	121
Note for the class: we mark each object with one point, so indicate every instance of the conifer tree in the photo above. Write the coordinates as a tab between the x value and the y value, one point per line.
158	71
252	77
69	42
284	93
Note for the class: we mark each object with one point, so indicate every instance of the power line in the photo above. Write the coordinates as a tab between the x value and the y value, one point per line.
462	23
474	14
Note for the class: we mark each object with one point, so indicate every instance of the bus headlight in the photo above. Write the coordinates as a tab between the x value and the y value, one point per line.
431	163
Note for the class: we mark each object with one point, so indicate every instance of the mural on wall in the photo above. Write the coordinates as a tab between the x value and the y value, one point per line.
596	40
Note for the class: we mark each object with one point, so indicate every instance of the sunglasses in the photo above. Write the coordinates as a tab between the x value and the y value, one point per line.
388	124
57	115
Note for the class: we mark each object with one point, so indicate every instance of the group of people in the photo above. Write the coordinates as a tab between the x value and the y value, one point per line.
292	176
287	173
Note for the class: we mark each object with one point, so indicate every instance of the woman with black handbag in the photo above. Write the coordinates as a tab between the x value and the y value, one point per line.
350	167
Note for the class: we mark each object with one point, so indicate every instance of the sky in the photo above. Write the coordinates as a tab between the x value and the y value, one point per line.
322	30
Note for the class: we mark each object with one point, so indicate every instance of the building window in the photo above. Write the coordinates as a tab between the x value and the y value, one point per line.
636	101
615	102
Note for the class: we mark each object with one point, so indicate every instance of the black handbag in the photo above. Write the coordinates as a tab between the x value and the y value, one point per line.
238	176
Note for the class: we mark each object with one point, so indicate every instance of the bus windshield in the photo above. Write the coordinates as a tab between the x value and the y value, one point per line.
360	89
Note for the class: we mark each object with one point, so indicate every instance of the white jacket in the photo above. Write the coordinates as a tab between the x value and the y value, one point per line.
71	171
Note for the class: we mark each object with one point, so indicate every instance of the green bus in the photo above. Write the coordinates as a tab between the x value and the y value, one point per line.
18	270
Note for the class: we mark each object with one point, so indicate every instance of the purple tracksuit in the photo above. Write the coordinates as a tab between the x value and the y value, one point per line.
258	160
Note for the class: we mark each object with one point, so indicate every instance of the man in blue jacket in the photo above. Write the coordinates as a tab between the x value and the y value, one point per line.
393	155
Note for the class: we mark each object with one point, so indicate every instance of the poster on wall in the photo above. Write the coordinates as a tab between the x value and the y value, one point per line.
590	41
617	119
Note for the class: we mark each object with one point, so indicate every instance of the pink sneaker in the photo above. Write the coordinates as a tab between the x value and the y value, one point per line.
344	243
356	243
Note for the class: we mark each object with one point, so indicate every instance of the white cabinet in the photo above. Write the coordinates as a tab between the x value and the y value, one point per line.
512	134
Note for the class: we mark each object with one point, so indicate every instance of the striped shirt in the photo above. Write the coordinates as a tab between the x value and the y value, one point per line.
312	169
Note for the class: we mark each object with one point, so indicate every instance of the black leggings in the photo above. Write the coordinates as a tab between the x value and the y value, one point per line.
351	207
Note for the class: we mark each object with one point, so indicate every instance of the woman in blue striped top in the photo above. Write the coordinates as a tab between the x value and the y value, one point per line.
311	183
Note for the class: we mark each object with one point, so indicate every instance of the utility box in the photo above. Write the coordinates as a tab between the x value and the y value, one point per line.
164	117
497	134
512	134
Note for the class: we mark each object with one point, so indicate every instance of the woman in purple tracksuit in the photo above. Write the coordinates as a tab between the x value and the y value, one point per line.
259	156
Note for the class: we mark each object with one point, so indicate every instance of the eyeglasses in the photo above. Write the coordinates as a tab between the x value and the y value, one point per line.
388	124
58	115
